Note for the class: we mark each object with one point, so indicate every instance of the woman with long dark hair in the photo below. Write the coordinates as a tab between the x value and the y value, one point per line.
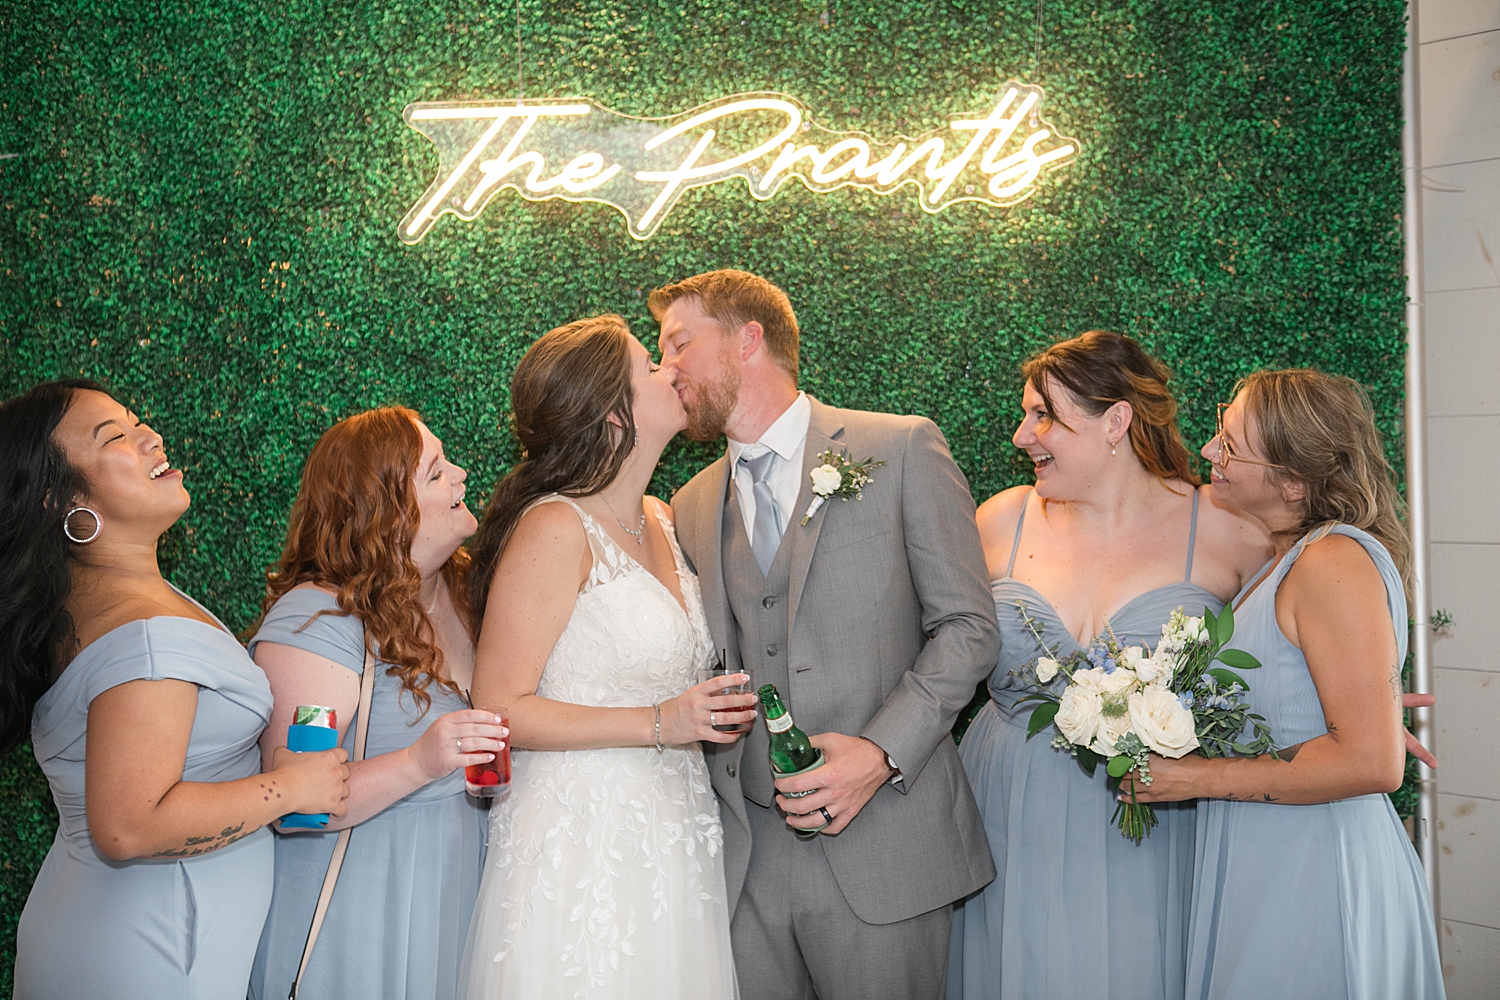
1306	885
1115	535
606	874
373	562
144	713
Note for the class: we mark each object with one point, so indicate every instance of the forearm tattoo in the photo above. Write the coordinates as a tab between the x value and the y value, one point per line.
194	846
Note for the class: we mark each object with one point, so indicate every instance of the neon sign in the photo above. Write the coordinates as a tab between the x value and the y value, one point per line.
578	151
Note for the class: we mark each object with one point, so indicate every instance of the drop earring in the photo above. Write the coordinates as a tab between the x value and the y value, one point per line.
1111	449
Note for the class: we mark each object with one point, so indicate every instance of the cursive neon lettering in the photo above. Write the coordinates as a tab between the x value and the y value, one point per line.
642	167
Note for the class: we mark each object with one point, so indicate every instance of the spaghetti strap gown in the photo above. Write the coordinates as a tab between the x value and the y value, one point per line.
605	877
1312	902
1076	910
149	928
399	916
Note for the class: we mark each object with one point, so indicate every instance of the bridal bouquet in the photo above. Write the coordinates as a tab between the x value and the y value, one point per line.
1121	703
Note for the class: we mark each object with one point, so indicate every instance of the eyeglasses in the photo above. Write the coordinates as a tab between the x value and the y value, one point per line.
1226	453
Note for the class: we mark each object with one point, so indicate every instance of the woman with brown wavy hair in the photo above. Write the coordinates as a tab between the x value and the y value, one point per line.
373	561
1306	884
1115	535
607	878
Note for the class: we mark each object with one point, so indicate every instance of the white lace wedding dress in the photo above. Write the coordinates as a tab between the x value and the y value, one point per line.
605	873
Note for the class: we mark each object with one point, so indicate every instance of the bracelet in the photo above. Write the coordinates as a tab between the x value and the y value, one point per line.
657	709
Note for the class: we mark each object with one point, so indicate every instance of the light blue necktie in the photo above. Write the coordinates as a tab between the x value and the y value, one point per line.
765	534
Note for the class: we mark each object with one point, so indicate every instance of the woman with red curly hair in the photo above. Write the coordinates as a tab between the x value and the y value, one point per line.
373	561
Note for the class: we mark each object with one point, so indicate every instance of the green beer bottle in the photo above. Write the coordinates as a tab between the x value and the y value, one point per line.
790	750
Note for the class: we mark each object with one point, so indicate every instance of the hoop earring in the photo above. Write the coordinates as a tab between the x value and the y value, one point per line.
68	527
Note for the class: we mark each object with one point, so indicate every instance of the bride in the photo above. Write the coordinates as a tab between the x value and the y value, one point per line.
605	874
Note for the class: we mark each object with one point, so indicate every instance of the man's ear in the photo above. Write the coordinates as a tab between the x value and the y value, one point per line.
751	337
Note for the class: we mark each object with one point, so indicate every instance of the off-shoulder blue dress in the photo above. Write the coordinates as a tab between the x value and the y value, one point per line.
153	929
1076	911
1323	902
400	914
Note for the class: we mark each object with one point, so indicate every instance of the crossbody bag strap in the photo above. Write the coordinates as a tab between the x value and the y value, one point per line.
341	846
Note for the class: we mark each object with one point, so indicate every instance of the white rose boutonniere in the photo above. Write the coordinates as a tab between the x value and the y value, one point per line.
836	476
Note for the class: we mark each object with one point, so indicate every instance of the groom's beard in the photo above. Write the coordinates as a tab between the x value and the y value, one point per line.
713	404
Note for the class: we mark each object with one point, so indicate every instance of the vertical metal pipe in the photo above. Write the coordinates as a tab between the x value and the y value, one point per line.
1416	445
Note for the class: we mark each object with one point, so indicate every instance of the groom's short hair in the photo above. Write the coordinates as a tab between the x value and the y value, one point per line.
735	298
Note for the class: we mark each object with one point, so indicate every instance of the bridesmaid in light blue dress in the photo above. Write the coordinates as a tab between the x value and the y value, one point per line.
1115	536
400	913
1307	886
145	714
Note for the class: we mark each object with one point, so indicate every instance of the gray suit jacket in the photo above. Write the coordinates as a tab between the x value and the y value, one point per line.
891	627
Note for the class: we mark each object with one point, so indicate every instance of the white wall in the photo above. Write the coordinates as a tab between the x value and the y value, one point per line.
1460	67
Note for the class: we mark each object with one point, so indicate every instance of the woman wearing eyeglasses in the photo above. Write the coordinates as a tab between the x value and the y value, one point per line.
1305	883
1115	536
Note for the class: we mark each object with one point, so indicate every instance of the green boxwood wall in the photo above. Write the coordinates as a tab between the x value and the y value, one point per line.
200	200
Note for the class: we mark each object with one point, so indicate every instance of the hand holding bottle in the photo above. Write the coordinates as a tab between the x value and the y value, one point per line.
853	771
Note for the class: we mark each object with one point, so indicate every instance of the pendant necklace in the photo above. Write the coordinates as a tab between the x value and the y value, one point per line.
639	533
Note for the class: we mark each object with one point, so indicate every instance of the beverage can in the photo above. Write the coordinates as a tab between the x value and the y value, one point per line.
315	715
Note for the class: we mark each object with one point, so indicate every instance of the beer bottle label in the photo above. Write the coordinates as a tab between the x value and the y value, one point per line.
780	724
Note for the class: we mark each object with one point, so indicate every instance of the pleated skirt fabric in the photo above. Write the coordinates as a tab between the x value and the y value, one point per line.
1076	910
1321	902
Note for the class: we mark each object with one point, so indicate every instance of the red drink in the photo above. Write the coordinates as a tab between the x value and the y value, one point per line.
491	778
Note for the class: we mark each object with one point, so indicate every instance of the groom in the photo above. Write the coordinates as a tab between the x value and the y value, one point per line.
873	619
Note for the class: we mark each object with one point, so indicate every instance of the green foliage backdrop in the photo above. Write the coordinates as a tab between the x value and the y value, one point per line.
200	202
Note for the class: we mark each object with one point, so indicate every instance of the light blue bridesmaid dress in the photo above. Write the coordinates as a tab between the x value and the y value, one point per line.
153	929
1076	911
400	915
1322	902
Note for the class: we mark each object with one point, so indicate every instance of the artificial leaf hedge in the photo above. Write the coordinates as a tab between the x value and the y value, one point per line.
200	202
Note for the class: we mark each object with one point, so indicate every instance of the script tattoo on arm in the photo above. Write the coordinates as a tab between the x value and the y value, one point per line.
194	846
1396	682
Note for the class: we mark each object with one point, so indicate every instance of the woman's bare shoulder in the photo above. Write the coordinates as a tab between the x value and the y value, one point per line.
997	516
1237	538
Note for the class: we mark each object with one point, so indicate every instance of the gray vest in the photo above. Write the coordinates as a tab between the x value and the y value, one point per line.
758	604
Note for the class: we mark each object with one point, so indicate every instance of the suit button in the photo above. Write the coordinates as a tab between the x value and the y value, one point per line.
771	649
768	602
730	769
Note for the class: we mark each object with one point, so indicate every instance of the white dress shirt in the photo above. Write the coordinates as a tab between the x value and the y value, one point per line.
787	437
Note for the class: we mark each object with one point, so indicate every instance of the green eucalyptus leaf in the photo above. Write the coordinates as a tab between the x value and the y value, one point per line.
1041	718
1120	765
1224	631
1227	677
1238	659
1088	760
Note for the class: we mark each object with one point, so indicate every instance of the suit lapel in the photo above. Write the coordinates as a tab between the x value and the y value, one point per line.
710	515
824	431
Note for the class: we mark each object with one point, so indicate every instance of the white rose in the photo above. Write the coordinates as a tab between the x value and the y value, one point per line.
1131	655
825	479
1162	722
1193	629
1091	679
1111	728
1046	669
1152	670
1117	680
1078	715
